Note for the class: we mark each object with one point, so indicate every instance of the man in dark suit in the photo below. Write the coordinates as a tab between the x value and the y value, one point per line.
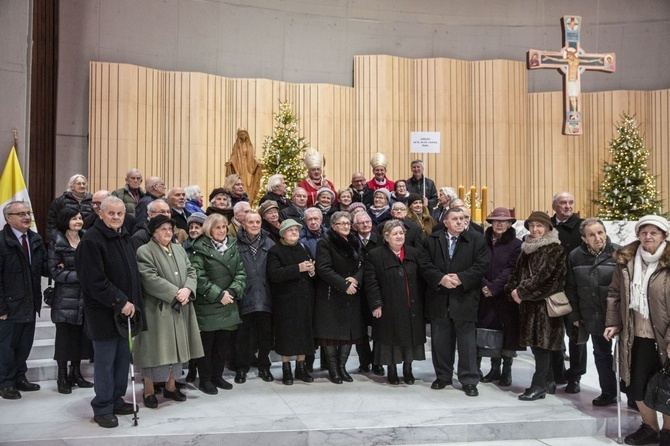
23	260
452	306
567	223
177	198
362	193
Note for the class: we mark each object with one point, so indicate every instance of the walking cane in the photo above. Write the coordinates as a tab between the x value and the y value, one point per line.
132	371
618	388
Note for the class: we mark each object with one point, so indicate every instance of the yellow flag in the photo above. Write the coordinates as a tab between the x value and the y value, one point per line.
13	187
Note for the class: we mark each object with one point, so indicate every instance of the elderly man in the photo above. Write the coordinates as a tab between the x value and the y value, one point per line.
177	198
296	210
362	193
155	189
240	210
111	285
379	181
128	222
315	179
590	271
313	230
452	306
416	184
141	235
276	191
131	193
23	260
568	223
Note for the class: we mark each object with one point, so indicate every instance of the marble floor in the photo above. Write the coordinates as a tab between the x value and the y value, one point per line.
365	412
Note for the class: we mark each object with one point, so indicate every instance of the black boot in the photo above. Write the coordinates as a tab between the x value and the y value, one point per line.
407	376
287	378
76	377
494	374
342	364
333	370
192	371
301	372
64	386
392	374
506	375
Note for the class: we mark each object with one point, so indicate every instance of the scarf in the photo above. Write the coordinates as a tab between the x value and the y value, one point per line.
531	244
78	197
324	210
254	243
640	283
378	211
220	247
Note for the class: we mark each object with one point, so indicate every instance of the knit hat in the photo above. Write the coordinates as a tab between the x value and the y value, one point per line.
217	191
500	214
411	198
266	206
386	193
286	224
323	190
158	221
656	220
541	217
196	217
356	205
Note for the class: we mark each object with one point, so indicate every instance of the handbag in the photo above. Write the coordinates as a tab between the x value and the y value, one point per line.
558	305
48	294
489	342
657	395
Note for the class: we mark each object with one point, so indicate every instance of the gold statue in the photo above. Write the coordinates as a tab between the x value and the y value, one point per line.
244	163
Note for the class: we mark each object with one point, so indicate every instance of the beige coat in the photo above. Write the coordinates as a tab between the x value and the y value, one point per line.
171	337
618	300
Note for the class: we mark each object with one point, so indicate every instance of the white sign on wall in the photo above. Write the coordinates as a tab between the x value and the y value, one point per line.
424	142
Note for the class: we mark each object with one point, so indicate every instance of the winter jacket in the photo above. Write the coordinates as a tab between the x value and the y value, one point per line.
128	198
68	301
257	289
85	208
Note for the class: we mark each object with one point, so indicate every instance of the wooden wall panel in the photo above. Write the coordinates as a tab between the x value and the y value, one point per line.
181	126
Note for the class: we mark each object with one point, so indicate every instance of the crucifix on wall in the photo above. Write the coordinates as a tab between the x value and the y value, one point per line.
571	61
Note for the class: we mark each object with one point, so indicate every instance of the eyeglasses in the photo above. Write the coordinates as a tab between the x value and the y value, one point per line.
21	214
643	233
96	203
342	223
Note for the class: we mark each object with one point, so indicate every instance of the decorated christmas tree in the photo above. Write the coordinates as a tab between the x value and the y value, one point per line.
283	152
628	190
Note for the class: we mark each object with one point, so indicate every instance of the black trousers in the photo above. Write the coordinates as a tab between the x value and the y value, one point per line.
578	359
543	370
258	326
214	344
602	353
16	341
446	333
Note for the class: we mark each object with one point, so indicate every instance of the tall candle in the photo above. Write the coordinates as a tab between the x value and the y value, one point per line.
484	203
461	192
473	201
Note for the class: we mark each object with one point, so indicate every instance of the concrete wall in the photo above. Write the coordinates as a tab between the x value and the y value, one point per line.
15	36
315	41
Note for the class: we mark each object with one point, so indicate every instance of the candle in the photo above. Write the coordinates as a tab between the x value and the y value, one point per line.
461	192
484	205
473	201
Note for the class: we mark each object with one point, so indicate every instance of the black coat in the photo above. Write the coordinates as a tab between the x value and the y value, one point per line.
272	231
68	302
337	315
181	219
85	208
378	221
129	221
20	281
387	282
109	278
416	186
497	312
292	300
586	284
568	233
366	197
413	233
257	288
293	213
282	201
470	263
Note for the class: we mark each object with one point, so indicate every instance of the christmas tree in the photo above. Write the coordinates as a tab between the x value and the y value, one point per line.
628	190
283	152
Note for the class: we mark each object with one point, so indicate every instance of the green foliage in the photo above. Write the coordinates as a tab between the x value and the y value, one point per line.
284	151
628	190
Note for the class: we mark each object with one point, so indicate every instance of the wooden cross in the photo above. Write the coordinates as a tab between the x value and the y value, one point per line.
571	61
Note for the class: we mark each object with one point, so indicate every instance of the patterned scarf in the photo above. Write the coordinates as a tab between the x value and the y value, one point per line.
221	247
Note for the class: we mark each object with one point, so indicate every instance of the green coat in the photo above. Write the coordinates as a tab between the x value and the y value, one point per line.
217	273
171	337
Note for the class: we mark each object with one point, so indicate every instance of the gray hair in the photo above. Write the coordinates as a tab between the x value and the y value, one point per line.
132	171
151	207
192	191
339	215
314	211
356	217
111	200
389	225
398	204
274	181
589	222
8	207
72	179
239	205
554	199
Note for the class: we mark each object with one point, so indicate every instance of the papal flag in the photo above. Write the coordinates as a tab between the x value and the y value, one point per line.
13	187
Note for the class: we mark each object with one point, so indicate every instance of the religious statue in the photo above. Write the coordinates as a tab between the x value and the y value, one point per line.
244	163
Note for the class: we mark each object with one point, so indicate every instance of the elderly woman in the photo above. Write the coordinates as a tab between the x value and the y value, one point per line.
346	197
291	271
75	197
234	185
400	193
394	293
445	195
539	272
269	212
168	286
194	222
221	282
324	202
637	307
276	191
419	214
67	307
495	311
194	200
380	211
338	322
219	203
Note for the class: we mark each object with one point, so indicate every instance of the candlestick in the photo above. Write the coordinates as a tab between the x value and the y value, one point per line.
473	201
484	205
461	192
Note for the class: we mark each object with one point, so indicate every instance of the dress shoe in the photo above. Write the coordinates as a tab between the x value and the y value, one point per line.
533	393
240	377
208	388
470	390
551	388
560	381
150	401
222	383
25	386
107	420
440	384
573	387
644	435
378	370
175	395
364	368
126	409
10	393
265	375
604	400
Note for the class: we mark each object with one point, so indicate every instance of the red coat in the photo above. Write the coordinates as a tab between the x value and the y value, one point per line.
311	191
390	185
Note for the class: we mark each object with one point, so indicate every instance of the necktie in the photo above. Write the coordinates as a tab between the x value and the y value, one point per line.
24	245
365	242
452	246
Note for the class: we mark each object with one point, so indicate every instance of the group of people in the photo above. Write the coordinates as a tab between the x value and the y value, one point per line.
224	286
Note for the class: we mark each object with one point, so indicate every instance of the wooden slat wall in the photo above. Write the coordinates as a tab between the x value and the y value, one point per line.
181	126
